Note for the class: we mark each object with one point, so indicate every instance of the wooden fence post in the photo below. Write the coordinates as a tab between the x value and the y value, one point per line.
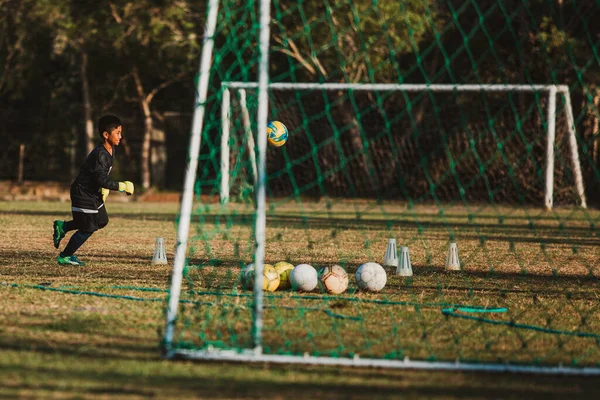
21	162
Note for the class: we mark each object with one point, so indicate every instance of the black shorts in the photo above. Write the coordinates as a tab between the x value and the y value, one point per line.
89	221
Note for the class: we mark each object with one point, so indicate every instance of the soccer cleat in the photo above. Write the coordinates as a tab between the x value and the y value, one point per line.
59	232
70	260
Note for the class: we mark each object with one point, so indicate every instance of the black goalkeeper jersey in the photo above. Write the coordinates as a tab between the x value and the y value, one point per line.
93	175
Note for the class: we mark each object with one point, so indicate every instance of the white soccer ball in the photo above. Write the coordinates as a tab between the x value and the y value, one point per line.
371	277
304	278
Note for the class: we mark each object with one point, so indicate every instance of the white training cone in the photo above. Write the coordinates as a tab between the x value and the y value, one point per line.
404	266
452	262
160	257
391	256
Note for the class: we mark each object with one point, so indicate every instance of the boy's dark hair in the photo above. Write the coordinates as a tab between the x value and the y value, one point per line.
107	123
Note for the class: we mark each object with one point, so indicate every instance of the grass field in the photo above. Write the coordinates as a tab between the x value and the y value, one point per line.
94	332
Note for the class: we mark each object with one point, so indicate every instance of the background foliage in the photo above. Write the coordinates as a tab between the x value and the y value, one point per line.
138	60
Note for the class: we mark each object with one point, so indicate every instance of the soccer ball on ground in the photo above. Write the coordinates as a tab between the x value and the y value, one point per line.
270	278
284	269
371	277
277	133
333	279
304	278
247	275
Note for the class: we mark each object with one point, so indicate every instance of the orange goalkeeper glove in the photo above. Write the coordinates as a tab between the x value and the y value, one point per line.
126	187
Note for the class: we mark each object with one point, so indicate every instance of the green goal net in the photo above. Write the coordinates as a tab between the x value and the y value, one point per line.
444	154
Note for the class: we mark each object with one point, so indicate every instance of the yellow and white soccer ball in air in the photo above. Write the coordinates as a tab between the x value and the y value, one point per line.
277	133
284	269
371	277
333	279
270	278
304	278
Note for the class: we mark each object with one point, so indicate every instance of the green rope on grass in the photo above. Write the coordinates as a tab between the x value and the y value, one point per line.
339	316
160	299
107	295
477	309
140	288
308	297
449	306
448	311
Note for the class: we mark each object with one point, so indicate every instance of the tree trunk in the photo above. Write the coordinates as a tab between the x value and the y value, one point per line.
87	106
146	145
145	105
595	128
158	153
368	182
73	153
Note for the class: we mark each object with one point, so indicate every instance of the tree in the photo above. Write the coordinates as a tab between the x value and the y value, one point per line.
78	27
157	43
354	41
34	96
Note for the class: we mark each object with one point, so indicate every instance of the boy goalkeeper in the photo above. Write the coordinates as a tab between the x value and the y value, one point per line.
89	191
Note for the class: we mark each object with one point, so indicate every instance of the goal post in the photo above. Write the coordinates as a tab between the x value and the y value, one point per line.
552	92
187	197
458	176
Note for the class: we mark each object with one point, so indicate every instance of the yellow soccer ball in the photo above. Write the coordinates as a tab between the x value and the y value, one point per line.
277	133
270	278
284	269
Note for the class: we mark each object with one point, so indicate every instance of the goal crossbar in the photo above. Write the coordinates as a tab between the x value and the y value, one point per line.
411	87
552	91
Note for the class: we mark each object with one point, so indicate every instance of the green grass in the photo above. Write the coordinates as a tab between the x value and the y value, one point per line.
542	267
55	343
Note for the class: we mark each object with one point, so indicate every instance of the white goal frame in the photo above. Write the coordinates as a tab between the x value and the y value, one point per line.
552	91
255	354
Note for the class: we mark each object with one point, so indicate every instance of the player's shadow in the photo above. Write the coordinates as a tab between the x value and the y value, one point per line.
506	232
424	220
126	351
497	282
211	270
42	267
167	217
